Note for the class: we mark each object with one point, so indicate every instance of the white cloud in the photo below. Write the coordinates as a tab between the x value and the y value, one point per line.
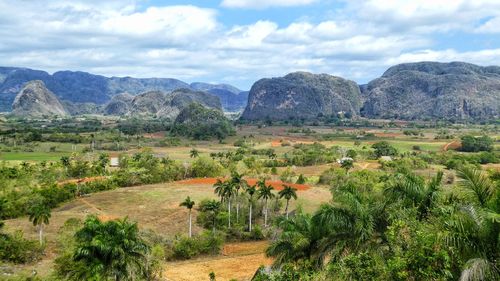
171	22
490	26
262	4
482	57
425	15
122	38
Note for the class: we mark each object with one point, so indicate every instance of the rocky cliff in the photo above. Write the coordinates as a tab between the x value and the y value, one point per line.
432	90
302	95
35	100
82	87
159	104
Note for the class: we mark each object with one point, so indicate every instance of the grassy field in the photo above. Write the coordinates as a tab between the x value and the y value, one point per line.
156	207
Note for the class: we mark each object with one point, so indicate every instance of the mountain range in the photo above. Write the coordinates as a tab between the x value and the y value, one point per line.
411	91
83	88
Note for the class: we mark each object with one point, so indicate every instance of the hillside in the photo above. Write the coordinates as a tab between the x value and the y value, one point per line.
159	104
432	90
83	87
302	95
35	100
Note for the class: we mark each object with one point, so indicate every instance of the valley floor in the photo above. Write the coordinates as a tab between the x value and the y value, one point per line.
156	207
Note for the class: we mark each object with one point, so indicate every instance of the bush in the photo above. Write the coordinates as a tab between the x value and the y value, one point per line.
186	248
207	243
206	167
257	233
210	243
383	148
476	144
14	248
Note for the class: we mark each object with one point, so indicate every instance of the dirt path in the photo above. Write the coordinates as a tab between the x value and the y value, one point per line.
365	166
454	144
238	261
82	180
92	206
103	216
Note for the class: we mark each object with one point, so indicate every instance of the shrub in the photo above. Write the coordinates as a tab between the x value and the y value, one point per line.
15	248
206	167
186	248
476	144
383	148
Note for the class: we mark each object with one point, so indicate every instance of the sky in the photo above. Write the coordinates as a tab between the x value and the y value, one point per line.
241	41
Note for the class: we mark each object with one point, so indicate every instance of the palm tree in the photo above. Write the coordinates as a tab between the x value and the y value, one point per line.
295	242
112	249
225	190
288	193
189	204
66	162
250	191
213	207
194	153
265	193
473	227
238	182
347	224
39	215
413	191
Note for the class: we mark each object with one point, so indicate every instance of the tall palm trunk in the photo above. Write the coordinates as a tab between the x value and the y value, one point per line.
286	208
237	210
229	212
265	214
190	225
40	233
250	218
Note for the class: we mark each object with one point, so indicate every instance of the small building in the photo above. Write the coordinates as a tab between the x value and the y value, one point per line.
343	159
114	161
386	158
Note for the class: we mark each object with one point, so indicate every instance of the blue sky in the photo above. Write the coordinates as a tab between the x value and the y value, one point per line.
241	41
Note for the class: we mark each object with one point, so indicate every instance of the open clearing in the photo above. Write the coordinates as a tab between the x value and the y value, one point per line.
156	207
238	261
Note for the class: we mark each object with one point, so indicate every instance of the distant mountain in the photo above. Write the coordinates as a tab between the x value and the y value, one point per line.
159	104
232	98
182	98
434	90
119	105
35	100
302	95
82	87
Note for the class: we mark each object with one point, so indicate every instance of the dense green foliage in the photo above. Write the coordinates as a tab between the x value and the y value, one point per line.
395	227
200	123
476	144
311	154
105	250
15	248
383	148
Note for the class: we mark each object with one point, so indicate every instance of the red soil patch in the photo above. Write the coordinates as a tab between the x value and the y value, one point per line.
82	180
278	185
